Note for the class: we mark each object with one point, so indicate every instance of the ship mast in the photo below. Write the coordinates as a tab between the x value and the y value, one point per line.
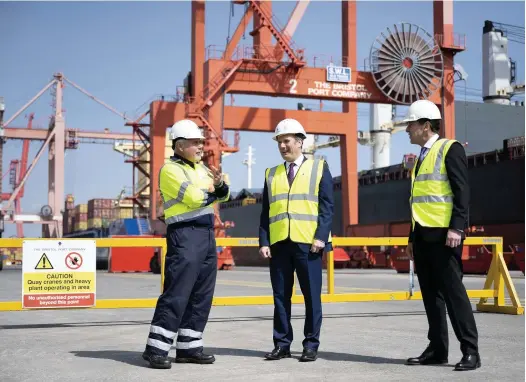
249	162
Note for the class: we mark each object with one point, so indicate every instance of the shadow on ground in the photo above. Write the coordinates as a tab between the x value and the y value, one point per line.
134	358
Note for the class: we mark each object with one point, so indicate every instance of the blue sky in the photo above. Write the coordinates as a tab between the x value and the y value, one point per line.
125	53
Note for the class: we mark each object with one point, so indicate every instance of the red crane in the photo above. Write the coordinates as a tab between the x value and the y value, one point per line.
17	171
281	69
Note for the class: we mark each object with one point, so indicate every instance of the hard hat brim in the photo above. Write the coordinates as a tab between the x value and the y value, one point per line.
302	136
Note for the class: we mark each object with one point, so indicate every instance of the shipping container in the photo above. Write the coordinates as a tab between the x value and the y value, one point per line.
123	213
95	223
97	204
94	204
81	226
82	217
81	209
105	213
108	203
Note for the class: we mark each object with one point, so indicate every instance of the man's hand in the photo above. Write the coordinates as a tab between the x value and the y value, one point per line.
409	250
217	175
317	245
453	238
265	252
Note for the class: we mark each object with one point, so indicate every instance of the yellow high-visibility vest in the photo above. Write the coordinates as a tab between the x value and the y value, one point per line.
184	191
431	196
293	211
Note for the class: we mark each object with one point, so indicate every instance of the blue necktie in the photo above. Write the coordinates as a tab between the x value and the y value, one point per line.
422	154
421	158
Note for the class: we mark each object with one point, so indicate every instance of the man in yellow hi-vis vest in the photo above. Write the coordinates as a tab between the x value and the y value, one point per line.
439	209
295	225
188	191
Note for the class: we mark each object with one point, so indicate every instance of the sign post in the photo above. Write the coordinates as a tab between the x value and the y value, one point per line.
58	274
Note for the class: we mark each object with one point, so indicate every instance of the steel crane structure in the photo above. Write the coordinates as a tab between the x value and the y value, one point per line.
58	138
17	171
407	64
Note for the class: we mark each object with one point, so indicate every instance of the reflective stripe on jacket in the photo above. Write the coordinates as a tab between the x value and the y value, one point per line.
431	196
293	211
185	191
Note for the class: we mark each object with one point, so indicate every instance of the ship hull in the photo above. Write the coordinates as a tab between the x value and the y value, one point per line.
496	205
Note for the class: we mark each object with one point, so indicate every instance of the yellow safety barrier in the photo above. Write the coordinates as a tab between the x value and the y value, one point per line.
497	278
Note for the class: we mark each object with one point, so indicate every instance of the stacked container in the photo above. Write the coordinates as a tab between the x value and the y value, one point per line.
68	220
122	212
100	212
81	217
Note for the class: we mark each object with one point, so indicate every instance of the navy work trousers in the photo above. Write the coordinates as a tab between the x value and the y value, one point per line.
288	256
189	283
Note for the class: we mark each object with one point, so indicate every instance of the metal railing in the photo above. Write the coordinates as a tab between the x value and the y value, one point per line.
498	277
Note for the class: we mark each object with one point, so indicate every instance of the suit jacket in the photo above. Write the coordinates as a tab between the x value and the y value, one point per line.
325	211
457	172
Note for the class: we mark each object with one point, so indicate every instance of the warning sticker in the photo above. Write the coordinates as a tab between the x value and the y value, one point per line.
59	274
44	263
73	260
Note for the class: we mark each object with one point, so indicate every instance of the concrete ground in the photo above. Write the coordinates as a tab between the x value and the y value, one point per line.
359	341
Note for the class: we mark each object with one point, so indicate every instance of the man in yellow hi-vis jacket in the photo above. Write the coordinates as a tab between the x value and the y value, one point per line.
439	209
182	310
295	225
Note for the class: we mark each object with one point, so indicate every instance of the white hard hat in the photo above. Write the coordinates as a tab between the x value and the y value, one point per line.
422	109
186	129
289	126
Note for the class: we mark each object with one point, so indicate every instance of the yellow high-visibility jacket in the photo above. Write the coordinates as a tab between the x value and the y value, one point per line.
186	191
294	211
431	195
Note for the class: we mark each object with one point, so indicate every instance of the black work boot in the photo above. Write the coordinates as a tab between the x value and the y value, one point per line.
200	358
157	361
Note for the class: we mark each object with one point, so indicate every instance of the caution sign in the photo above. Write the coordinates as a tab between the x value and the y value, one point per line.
44	263
58	273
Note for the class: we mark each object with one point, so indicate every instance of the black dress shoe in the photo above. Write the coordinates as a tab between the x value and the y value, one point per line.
278	353
308	355
427	358
201	358
468	362
157	361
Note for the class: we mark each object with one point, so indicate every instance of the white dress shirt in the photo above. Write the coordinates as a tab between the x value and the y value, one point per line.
297	162
430	143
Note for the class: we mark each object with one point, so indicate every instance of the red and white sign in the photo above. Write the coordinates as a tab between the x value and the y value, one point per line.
73	260
59	273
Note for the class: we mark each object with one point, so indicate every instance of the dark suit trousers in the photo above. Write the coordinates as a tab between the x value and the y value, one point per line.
439	271
287	257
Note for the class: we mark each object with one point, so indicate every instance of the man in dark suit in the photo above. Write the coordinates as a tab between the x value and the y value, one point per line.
439	209
295	225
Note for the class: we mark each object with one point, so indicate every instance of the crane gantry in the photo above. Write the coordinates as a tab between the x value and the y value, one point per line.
408	64
57	138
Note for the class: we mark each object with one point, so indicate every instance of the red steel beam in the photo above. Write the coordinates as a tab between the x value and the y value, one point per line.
242	26
307	83
292	24
349	141
443	29
265	120
252	119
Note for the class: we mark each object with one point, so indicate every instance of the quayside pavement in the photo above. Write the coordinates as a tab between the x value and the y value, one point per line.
359	341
